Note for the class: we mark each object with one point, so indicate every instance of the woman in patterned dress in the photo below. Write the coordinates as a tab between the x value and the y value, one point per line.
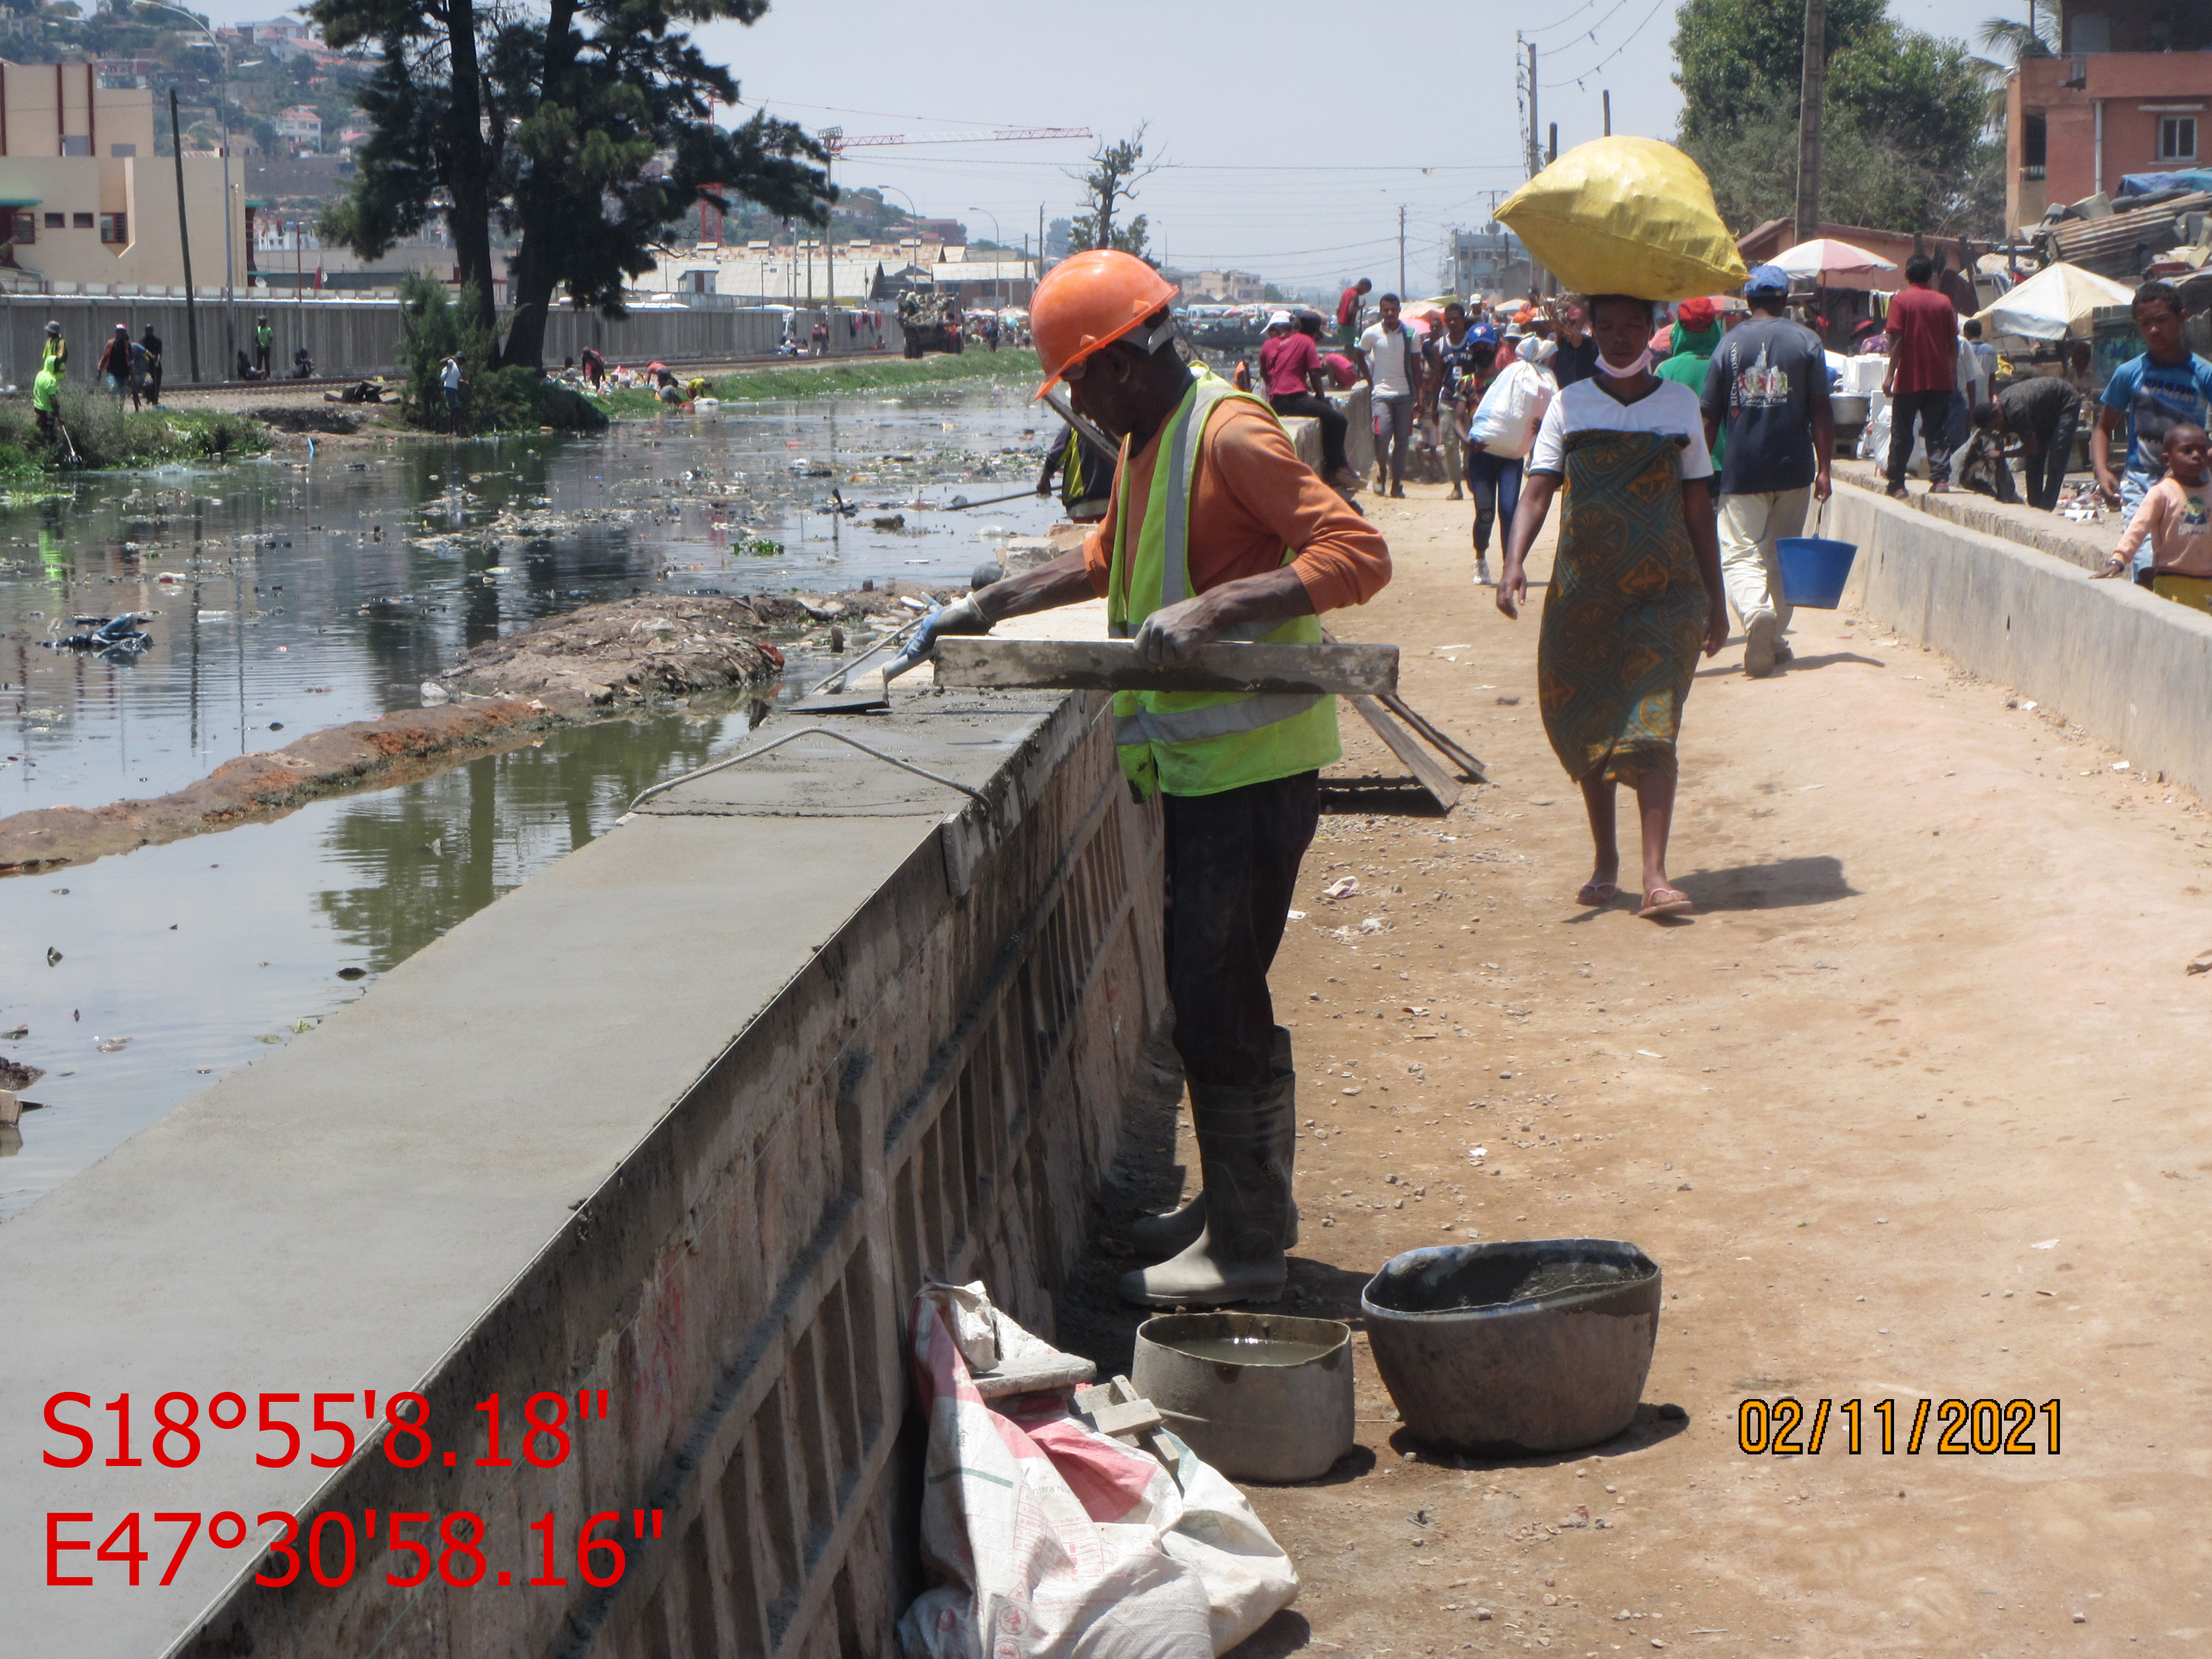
1636	587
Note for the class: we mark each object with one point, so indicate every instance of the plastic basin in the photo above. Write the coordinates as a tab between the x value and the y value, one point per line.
1814	570
1538	1345
1259	1397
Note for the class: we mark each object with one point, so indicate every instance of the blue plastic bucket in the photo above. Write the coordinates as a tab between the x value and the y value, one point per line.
1814	570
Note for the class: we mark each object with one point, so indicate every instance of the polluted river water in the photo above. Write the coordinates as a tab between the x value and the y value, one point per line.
289	593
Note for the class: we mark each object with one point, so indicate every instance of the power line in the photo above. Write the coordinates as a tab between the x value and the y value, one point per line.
1557	22
1576	80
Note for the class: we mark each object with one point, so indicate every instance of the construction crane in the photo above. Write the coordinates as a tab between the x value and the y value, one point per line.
839	143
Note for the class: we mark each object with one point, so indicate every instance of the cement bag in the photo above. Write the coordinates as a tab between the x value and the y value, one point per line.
1049	1540
1627	216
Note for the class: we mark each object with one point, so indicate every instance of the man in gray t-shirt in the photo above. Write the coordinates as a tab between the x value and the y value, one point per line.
1768	383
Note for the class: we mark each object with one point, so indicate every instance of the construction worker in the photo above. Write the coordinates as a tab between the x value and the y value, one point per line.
264	338
46	391
55	350
1086	476
1215	530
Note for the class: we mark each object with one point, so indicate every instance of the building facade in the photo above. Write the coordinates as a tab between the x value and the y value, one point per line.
1232	287
2127	93
87	204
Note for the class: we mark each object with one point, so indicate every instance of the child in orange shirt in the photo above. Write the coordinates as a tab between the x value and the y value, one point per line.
2176	515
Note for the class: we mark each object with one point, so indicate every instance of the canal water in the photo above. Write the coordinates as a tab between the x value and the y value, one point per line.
284	595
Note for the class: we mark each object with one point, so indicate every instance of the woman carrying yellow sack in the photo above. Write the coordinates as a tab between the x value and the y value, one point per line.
1635	591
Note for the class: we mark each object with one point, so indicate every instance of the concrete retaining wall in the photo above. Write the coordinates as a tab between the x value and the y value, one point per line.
2135	670
359	336
687	1117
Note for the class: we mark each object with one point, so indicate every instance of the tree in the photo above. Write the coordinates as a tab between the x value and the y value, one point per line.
585	133
1270	294
1732	57
1905	129
1112	181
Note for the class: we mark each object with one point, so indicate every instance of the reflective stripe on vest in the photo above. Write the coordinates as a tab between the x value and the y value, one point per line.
1201	743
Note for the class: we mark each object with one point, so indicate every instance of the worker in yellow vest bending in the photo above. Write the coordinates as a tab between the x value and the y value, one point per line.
1215	530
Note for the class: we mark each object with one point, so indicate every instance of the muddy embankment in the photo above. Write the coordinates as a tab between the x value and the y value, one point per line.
626	660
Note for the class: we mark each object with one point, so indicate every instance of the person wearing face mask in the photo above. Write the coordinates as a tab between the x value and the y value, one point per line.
1635	593
1215	529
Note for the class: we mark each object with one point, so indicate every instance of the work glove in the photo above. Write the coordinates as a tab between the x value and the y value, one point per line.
962	615
1172	636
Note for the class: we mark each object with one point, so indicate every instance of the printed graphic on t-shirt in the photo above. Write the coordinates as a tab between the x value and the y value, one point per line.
1760	385
2193	515
2163	396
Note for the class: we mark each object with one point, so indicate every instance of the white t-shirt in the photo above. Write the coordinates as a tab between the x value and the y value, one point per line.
1584	406
1389	358
450	376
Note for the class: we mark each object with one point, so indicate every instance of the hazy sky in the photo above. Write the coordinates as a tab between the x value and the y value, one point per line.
1293	130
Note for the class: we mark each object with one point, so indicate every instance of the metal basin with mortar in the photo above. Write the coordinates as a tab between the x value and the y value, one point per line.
1537	1345
1259	1397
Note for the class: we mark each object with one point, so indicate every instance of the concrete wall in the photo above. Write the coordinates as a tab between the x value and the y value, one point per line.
687	1117
2134	670
349	337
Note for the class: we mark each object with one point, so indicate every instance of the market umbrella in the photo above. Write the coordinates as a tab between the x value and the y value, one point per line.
2053	303
1823	254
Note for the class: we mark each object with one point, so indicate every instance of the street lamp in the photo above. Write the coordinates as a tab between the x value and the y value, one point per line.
998	245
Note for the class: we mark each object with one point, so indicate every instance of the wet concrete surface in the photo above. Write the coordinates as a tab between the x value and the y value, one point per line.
287	611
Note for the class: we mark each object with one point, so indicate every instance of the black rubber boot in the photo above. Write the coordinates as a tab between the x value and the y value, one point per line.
1237	1255
1162	1235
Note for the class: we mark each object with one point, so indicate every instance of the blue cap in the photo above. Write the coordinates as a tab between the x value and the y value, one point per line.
1767	279
1483	334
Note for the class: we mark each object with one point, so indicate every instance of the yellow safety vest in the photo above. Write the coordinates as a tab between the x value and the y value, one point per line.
1201	743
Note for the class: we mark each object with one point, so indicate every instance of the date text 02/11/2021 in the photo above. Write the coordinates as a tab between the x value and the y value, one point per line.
1983	1427
175	1441
332	1546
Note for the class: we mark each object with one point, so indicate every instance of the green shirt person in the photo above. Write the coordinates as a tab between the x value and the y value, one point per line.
45	396
56	351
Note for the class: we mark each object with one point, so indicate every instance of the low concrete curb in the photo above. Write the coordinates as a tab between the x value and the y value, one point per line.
2134	670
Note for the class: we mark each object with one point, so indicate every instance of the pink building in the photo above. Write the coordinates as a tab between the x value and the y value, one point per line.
2127	93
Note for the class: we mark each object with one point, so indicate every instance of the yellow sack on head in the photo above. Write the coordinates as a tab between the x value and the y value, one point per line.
1627	216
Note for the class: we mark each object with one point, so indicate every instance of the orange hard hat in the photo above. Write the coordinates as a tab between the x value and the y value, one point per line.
1088	301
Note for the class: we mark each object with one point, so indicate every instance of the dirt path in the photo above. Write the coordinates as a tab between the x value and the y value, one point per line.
1914	1107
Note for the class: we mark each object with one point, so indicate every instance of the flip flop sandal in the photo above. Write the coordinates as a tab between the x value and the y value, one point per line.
1666	901
1596	895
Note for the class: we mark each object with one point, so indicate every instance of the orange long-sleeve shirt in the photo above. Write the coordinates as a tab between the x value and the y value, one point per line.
1253	497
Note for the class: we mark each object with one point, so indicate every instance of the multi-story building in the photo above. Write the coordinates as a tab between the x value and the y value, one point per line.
2126	94
1233	288
300	126
87	202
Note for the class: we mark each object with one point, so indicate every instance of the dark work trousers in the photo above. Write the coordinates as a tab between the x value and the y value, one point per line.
1933	410
2046	468
1232	872
1495	483
1334	423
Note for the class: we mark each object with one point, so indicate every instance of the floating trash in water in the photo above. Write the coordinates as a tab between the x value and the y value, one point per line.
759	547
353	973
111	1045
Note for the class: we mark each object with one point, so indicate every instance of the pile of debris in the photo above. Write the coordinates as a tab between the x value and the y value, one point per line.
606	657
2161	233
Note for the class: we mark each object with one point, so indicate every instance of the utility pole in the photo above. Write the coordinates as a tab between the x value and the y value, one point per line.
1535	164
828	238
183	236
1402	249
1808	119
1608	97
